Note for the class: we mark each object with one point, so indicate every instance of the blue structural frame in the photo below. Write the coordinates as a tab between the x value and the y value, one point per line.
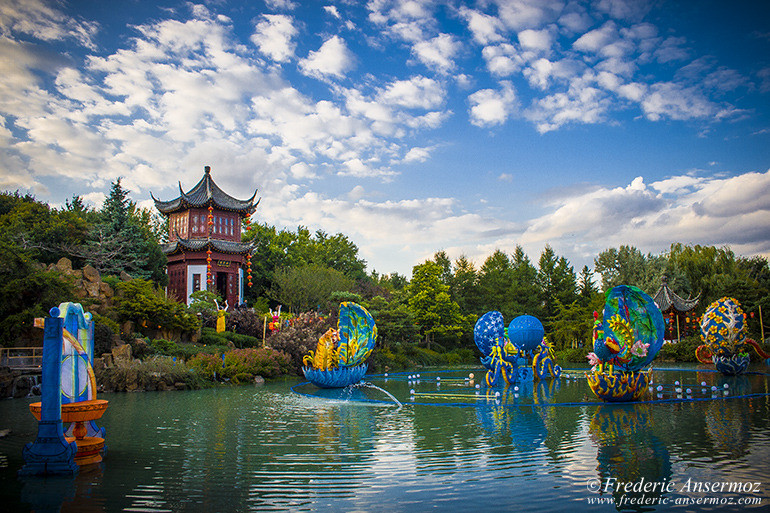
50	453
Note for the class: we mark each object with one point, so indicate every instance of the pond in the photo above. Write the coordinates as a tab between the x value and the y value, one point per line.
403	444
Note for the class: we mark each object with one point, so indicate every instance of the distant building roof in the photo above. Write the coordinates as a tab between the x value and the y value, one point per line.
206	193
223	246
667	299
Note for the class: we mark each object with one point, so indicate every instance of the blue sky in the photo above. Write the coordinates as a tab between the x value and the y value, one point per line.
409	126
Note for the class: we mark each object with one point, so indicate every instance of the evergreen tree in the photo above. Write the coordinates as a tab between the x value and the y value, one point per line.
525	292
432	307
121	241
495	281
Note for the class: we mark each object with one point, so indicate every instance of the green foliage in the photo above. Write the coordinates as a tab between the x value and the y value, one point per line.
139	301
682	351
27	292
573	355
210	336
105	332
432	307
307	287
203	301
157	373
408	356
276	250
300	336
240	365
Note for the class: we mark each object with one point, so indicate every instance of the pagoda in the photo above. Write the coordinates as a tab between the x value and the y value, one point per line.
675	309
205	251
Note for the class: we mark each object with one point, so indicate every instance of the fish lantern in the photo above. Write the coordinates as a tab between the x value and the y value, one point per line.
338	360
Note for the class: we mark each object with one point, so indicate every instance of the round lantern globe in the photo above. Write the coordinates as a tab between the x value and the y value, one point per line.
526	332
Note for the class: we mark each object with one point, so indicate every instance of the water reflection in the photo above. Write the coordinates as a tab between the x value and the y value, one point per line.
256	449
628	451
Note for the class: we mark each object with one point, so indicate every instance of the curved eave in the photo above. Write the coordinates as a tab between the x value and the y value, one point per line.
204	194
197	246
667	300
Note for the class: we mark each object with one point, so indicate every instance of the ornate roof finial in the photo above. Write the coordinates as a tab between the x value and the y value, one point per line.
207	169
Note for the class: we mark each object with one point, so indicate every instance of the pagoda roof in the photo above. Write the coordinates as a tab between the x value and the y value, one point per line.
206	193
667	299
223	246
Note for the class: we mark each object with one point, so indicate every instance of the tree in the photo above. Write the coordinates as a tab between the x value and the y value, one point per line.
495	280
525	292
586	287
628	266
464	288
307	287
122	240
432	306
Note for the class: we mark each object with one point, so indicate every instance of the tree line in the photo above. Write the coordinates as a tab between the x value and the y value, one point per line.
312	271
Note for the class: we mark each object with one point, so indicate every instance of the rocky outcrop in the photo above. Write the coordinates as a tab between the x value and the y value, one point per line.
88	284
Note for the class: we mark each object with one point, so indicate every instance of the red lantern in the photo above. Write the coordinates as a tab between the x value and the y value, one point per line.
752	315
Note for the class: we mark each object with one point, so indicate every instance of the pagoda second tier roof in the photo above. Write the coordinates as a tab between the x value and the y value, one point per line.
222	246
206	193
667	299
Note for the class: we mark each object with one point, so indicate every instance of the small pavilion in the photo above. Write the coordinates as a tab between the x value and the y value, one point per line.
205	251
676	310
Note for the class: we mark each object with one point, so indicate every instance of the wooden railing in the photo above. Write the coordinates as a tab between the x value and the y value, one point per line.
22	358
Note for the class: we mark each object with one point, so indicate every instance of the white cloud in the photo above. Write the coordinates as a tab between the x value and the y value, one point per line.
489	107
502	60
417	154
670	100
597	39
582	103
301	171
332	10
486	29
38	19
732	211
273	36
538	40
524	14
437	53
333	58
417	92
281	5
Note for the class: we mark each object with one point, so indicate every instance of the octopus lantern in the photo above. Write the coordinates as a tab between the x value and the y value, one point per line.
506	354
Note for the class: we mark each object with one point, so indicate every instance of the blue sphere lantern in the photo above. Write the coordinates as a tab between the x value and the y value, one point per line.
526	332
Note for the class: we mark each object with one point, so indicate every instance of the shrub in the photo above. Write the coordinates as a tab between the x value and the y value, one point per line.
210	336
572	355
682	351
156	373
238	363
245	322
105	332
300	336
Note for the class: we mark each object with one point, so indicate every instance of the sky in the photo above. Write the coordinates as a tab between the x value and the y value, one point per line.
409	126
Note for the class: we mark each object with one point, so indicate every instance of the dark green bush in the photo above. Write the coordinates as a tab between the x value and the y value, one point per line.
572	355
682	351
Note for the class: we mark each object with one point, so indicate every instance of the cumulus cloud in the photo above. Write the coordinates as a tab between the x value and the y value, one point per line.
437	53
417	92
489	107
332	59
486	29
733	211
38	19
274	37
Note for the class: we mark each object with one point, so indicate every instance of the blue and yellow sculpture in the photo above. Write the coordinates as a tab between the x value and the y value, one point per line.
68	395
723	332
626	341
506	355
338	360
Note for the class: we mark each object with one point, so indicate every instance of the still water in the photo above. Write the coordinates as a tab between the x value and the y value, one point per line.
407	445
